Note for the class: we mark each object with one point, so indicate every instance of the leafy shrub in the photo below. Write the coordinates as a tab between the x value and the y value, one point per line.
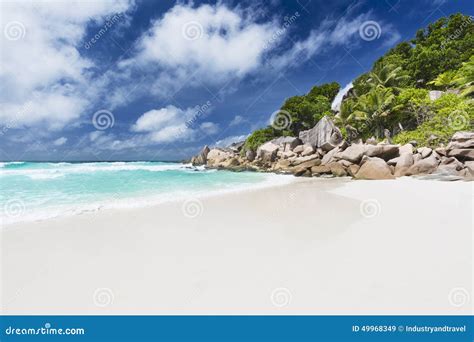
451	114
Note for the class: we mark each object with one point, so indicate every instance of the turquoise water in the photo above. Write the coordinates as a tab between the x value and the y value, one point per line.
32	191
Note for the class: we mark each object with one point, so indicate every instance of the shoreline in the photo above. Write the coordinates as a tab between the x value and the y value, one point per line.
135	202
310	247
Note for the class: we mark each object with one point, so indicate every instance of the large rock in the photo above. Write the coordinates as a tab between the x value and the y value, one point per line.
353	169
299	149
407	148
328	157
404	162
460	144
305	168
320	170
301	160
282	165
462	136
216	156
250	155
384	151
423	166
354	153
425	152
229	163
462	154
286	143
201	158
268	151
308	150
236	146
374	168
325	135
337	169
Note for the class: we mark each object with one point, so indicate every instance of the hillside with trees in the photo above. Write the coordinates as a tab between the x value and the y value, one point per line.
421	90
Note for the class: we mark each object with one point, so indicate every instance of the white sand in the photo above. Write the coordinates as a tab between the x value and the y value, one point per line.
306	243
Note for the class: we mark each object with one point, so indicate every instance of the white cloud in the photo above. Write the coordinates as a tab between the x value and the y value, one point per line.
172	124
188	46
209	128
237	120
212	41
60	141
45	81
229	140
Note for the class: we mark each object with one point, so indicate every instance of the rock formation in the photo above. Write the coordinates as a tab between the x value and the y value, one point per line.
321	151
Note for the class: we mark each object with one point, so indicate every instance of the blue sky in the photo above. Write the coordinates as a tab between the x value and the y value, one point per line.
156	80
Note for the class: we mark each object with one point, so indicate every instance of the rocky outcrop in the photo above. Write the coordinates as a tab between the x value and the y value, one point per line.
324	135
268	151
201	158
217	155
423	166
374	168
286	143
361	161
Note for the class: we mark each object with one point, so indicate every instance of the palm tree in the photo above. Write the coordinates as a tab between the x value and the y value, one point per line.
387	75
346	113
444	80
465	78
374	108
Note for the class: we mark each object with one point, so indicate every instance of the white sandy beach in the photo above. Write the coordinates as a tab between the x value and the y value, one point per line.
316	246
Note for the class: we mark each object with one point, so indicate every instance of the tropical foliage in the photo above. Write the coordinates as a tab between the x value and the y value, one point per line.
394	94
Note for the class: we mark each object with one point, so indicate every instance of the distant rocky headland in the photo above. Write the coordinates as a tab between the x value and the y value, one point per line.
321	151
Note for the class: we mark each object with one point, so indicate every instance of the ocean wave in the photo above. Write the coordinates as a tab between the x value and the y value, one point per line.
54	170
6	164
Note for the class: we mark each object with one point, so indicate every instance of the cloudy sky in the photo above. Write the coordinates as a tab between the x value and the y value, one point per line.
156	80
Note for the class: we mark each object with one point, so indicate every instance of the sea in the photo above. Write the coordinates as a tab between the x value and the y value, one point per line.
31	191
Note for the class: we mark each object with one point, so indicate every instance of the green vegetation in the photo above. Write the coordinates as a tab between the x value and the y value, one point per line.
450	113
297	113
259	137
394	94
